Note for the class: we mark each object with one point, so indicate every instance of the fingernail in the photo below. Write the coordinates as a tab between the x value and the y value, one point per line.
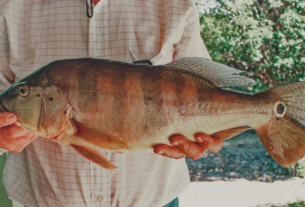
11	119
199	140
161	153
175	143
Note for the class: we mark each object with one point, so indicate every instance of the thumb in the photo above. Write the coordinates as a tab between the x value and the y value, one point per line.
7	118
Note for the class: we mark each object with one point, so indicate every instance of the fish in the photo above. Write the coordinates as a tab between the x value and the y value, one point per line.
97	104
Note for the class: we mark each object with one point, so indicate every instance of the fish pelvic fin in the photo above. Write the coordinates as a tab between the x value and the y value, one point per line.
284	135
94	156
229	133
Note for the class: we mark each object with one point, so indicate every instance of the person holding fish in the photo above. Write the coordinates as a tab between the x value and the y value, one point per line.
41	172
88	130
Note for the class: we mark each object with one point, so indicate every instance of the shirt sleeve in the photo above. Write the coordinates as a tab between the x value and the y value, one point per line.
5	72
7	77
191	44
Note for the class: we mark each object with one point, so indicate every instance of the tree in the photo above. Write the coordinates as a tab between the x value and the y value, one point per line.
264	38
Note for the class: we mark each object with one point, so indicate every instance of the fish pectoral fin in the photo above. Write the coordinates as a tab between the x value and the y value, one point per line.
97	137
94	156
229	133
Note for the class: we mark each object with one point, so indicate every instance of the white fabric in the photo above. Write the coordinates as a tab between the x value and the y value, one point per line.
36	32
2	151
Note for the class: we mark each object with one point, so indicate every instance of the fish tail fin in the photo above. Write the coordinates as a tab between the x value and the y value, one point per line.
284	135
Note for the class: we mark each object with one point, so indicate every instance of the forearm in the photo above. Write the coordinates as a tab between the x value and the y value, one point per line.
191	43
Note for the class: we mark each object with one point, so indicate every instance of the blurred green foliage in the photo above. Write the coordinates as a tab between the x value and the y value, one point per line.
264	38
297	204
4	201
301	168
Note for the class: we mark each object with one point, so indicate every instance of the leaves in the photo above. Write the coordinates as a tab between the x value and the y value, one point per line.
265	38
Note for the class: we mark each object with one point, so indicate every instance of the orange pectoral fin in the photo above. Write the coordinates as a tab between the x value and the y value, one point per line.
94	156
229	133
98	137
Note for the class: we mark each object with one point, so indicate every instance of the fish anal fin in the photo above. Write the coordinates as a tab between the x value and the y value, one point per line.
229	133
119	152
94	156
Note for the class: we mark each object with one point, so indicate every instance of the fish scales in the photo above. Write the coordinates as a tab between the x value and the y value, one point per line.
100	104
173	103
149	124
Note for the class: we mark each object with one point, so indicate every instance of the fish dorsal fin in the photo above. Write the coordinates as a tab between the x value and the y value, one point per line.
229	133
218	74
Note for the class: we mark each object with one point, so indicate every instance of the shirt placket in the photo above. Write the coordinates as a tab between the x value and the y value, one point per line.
100	184
98	29
100	179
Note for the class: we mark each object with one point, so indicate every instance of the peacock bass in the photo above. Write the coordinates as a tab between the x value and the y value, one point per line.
92	104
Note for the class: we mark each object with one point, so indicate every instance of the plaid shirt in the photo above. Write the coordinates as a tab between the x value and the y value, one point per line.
36	32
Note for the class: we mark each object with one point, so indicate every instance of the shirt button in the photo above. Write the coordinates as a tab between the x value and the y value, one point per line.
99	198
97	16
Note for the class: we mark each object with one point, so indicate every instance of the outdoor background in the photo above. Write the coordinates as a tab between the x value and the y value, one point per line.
265	39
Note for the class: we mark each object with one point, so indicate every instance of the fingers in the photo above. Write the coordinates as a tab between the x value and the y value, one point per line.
18	146
183	147
191	149
212	144
169	151
12	131
7	118
12	137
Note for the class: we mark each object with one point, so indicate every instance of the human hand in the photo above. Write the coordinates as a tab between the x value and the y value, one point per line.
12	137
182	147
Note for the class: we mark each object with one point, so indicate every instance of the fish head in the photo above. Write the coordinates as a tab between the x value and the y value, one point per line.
25	101
39	106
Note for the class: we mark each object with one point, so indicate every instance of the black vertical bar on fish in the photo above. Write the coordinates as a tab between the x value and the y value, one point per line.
151	84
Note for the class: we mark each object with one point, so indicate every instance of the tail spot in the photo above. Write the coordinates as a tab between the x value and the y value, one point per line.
279	109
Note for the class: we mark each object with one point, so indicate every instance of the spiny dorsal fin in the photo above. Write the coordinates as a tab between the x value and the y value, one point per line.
218	74
229	133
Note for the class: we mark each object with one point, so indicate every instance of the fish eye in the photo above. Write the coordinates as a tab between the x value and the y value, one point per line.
23	90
